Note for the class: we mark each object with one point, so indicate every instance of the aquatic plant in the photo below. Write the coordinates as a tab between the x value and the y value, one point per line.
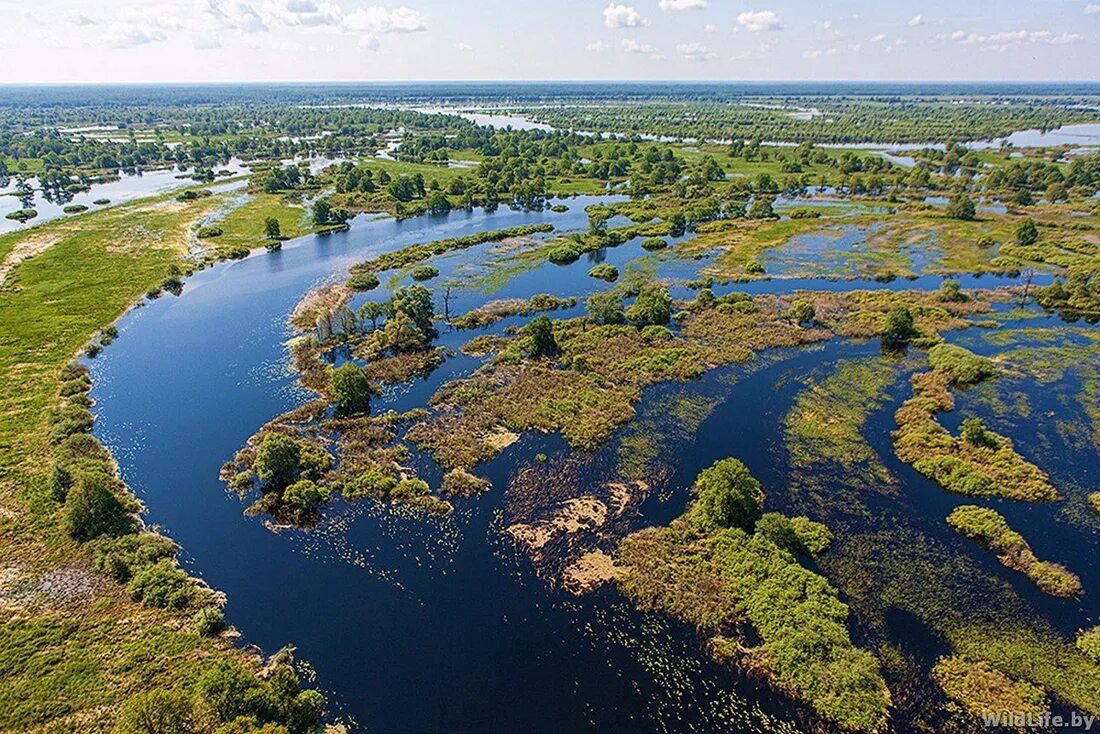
964	367
982	689
604	271
990	530
1088	642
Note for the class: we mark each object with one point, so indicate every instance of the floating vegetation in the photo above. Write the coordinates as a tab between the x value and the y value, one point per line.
494	311
990	530
709	568
979	463
982	689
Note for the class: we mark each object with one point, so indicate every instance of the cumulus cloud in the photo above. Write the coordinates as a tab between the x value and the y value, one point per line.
878	38
673	5
376	20
234	15
595	46
621	16
756	21
631	46
82	20
205	43
695	52
710	28
130	35
916	20
1003	40
1092	9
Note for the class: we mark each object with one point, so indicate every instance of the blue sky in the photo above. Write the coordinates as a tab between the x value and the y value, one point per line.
302	40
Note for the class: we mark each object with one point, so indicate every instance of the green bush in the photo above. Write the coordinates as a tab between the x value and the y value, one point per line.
653	305
1088	642
974	433
278	458
209	621
424	272
122	557
965	367
305	495
164	585
372	482
563	255
654	243
726	496
93	508
1094	502
541	342
801	312
351	389
605	271
363	281
1027	233
158	711
898	328
605	308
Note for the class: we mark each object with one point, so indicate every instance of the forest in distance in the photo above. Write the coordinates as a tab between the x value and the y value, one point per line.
550	406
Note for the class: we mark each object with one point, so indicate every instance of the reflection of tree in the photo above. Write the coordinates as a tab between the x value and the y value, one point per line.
597	255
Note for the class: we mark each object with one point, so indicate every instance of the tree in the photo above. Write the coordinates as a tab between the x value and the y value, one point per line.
438	203
157	711
93	508
1027	233
677	225
541	338
278	458
372	311
898	328
351	389
975	434
653	305
305	494
415	301
801	312
726	496
228	690
605	308
272	229
960	207
762	208
322	213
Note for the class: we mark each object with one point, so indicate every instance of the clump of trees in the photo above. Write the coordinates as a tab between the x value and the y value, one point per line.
726	496
898	328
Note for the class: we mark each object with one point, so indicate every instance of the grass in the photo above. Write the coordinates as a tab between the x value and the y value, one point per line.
982	689
68	661
243	226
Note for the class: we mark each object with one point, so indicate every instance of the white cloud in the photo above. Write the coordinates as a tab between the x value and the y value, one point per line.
916	20
376	20
621	16
233	14
1092	9
673	5
205	43
635	47
695	52
1002	40
81	19
464	47
710	28
756	21
878	38
595	46
817	54
129	35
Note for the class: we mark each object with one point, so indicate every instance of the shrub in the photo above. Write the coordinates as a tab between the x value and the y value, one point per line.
985	242
164	585
228	690
122	557
363	281
371	482
801	312
605	271
605	308
563	255
208	232
277	459
424	272
726	496
1088	642
209	621
1027	233
654	243
460	483
305	495
965	367
974	433
898	328
351	389
960	207
75	209
93	509
813	537
157	711
1094	502
541	341
653	305
950	292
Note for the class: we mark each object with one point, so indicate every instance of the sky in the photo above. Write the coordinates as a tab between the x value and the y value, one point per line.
359	40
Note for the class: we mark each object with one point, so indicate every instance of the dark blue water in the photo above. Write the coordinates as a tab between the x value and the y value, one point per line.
429	625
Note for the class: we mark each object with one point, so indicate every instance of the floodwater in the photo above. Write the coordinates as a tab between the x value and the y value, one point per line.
441	624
